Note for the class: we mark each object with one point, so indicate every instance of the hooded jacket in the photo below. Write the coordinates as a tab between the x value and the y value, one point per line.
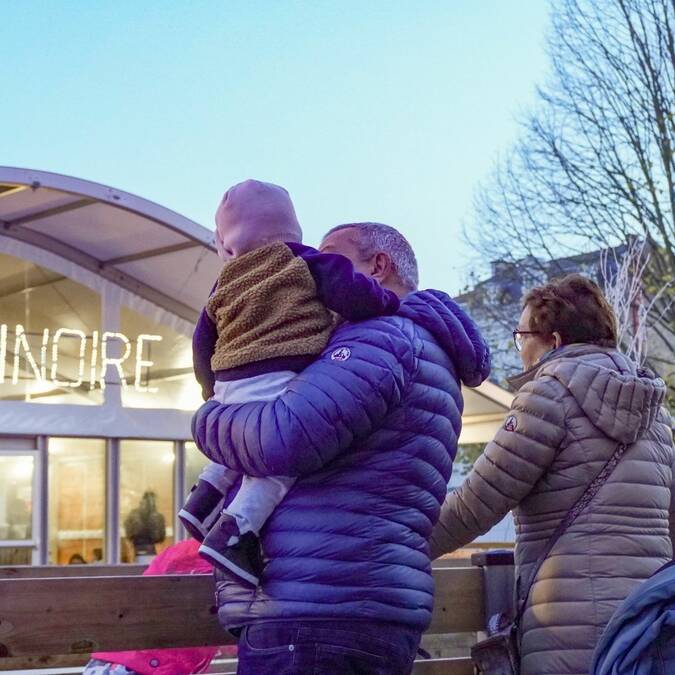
570	414
370	429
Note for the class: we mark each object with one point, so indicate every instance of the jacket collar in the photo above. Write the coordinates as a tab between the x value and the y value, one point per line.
567	351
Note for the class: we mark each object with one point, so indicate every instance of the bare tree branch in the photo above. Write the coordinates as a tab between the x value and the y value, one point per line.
595	164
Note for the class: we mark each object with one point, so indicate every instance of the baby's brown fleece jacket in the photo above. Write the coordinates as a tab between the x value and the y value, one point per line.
265	306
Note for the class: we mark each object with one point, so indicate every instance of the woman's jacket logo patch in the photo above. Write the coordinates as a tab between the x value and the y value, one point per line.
511	423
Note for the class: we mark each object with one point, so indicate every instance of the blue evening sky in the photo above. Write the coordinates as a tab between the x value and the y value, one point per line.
364	110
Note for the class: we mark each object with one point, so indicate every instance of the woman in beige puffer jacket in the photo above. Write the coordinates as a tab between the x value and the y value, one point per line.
578	399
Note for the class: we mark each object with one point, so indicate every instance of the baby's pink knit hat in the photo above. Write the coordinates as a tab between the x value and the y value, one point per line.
260	206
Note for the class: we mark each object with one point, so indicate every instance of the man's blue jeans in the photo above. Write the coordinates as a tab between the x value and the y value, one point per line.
327	647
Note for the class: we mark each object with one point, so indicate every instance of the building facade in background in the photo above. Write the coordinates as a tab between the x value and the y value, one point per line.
496	303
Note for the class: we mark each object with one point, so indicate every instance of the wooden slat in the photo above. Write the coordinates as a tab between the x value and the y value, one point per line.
443	667
218	667
457	666
46	571
458	601
44	662
226	667
42	571
447	645
80	615
444	563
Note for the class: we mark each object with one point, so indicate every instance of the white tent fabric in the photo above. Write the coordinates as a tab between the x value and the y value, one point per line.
152	259
44	258
141	247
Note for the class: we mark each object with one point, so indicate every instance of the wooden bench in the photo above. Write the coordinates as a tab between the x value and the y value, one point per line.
52	617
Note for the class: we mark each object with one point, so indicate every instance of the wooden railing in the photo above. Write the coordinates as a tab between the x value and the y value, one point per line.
56	616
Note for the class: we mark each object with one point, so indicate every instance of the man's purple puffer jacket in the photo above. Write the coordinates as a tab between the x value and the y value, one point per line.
370	428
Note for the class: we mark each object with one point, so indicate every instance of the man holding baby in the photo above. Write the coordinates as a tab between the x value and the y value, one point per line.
347	438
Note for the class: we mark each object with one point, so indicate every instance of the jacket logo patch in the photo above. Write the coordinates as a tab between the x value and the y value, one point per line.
341	354
511	423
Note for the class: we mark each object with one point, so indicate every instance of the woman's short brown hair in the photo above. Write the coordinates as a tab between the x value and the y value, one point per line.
575	307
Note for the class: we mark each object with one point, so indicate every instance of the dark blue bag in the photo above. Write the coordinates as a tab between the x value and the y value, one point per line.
640	637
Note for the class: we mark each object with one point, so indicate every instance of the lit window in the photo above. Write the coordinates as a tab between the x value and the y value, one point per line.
146	498
16	497
76	500
195	461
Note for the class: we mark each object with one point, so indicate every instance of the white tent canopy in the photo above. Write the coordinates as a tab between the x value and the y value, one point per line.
138	245
485	409
164	260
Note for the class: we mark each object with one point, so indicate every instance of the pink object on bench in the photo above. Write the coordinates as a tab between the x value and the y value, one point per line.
181	558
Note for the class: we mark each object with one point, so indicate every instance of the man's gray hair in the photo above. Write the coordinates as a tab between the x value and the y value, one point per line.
377	237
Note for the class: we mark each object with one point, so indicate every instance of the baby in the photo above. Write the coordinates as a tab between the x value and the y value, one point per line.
269	316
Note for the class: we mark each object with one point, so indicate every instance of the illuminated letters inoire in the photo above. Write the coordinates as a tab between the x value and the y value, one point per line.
69	365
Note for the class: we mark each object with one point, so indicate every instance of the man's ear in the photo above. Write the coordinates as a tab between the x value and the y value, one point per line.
382	266
557	340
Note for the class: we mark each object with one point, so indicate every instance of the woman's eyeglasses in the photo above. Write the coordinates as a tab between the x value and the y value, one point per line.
518	337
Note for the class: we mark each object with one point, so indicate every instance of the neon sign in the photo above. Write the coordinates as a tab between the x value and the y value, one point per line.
108	349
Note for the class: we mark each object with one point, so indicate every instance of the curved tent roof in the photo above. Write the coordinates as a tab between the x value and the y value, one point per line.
152	252
145	248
